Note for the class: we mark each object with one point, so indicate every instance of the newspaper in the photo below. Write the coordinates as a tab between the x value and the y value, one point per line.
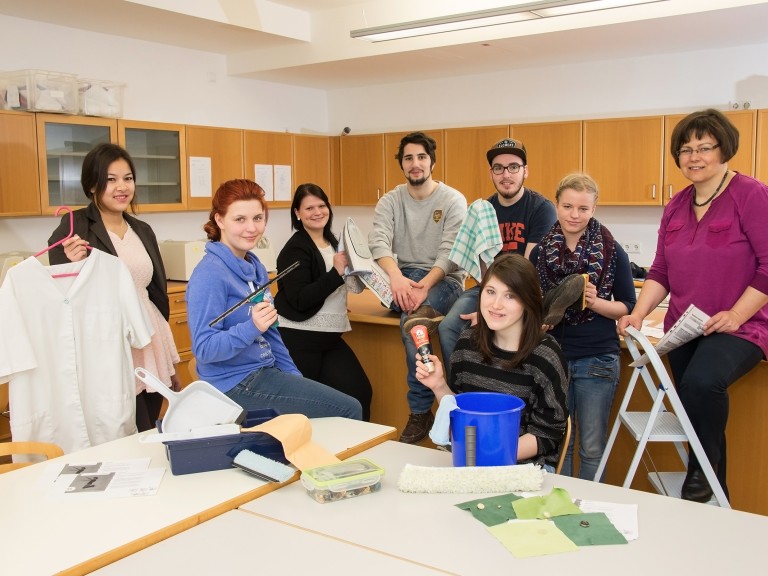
362	265
690	325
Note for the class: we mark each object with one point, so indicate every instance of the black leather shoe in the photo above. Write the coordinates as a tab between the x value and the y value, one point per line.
417	428
696	487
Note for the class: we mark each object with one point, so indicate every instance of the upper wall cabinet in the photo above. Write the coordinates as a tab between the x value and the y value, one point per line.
553	150
19	184
159	153
62	143
362	170
312	161
761	165
392	171
624	156
466	166
224	148
271	154
744	160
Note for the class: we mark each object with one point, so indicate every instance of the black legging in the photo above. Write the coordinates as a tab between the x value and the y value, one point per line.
326	358
703	370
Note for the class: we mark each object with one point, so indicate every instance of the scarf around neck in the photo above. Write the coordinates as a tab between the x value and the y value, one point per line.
594	255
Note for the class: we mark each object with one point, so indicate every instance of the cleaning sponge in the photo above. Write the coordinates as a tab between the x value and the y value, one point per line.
264	468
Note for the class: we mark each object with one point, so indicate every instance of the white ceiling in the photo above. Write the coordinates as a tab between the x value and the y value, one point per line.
307	43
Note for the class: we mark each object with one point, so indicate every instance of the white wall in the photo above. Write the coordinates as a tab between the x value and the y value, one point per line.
172	85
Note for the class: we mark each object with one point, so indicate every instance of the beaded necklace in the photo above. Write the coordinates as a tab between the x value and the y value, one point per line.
708	200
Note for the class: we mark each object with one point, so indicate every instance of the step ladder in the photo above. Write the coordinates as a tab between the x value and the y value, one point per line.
658	425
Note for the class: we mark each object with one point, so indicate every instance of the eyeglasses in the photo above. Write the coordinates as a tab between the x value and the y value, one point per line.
703	151
512	168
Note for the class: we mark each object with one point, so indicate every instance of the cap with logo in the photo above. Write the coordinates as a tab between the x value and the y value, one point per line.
507	146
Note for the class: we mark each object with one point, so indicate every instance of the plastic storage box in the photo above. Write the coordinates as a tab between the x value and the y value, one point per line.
342	480
39	90
100	98
218	452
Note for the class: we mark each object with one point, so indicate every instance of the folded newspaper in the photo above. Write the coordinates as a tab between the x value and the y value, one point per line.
361	263
690	325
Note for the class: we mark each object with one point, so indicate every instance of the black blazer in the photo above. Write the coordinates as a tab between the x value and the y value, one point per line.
89	226
302	293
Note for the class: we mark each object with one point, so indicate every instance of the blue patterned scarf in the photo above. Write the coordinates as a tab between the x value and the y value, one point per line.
594	255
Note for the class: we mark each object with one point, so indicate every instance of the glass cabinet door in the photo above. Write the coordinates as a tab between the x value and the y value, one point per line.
158	153
62	146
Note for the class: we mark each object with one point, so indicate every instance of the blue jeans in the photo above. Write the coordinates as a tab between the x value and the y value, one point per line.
452	325
441	297
590	397
291	394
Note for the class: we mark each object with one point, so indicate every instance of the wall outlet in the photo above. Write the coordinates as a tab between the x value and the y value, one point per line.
632	247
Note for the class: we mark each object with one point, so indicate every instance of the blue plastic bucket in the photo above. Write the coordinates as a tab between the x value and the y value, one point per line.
494	420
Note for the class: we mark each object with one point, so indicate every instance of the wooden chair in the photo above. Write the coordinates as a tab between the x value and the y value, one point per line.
192	368
564	446
43	449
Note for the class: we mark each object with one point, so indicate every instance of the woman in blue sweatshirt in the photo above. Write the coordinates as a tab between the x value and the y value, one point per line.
243	354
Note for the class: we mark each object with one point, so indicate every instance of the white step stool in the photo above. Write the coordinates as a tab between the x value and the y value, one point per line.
658	425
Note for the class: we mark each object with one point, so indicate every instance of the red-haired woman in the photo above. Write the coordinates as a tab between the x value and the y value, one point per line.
243	355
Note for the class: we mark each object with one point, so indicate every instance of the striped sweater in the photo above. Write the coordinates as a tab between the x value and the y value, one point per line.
541	382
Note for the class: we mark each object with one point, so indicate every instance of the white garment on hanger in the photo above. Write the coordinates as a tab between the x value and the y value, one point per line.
66	345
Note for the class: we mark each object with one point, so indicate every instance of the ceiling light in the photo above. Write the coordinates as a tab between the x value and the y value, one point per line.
493	17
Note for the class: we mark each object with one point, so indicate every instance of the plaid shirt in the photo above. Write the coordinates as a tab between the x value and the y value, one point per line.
478	239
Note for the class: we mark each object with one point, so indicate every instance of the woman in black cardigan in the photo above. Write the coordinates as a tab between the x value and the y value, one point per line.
312	300
108	180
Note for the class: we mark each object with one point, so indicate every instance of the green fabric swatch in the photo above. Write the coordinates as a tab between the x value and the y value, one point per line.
589	529
556	503
492	510
526	538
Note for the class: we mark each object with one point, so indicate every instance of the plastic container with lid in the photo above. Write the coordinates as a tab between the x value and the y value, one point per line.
342	480
39	90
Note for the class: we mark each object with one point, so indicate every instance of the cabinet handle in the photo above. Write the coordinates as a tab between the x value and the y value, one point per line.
653	191
179	301
378	193
180	321
670	191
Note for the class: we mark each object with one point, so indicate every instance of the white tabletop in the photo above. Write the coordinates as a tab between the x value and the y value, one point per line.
240	543
41	535
675	536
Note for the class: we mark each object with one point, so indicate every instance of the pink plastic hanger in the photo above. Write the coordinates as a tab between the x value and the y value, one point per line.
67	237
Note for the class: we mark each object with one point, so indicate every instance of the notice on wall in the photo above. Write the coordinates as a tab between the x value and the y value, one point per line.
200	177
283	184
264	178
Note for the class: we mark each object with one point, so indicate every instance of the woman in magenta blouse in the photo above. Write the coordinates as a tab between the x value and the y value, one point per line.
712	252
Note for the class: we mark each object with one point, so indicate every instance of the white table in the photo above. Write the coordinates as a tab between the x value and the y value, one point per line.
41	535
240	543
676	537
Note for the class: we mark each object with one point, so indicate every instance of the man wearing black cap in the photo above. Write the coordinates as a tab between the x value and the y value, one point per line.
524	216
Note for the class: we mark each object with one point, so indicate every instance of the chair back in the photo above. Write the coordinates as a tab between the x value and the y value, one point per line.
41	449
564	445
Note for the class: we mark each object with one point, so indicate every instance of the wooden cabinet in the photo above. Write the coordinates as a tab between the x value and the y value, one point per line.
62	143
19	183
761	164
624	156
393	174
553	151
466	166
744	160
159	153
274	149
180	328
312	162
362	170
224	147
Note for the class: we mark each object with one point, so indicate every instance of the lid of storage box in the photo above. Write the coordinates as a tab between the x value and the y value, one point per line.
342	475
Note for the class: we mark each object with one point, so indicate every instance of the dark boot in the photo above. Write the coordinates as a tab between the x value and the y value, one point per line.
568	293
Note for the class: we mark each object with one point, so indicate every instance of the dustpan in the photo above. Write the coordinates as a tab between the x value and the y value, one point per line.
198	405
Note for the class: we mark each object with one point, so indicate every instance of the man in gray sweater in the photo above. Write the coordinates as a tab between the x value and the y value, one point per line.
414	228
